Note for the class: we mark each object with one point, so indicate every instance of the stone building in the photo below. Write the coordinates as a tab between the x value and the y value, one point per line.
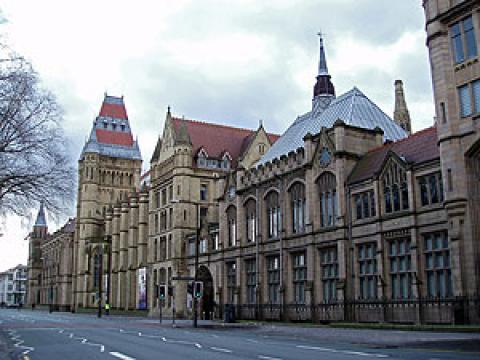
35	266
347	218
108	171
189	159
56	277
50	268
453	41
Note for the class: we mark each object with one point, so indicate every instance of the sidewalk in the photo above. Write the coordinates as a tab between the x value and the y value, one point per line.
381	338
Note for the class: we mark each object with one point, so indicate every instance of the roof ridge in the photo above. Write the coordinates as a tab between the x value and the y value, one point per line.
202	122
415	134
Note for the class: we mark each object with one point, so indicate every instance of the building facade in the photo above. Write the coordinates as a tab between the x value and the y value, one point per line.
13	286
348	216
108	171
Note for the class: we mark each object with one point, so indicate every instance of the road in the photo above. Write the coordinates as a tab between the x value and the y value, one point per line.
40	335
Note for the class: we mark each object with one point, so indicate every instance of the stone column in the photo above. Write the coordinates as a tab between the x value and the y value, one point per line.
115	255
132	251
123	289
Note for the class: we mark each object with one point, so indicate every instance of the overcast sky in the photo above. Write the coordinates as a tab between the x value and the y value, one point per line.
231	62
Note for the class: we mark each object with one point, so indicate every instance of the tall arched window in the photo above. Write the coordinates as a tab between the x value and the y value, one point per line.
232	226
395	188
327	189
251	219
273	214
297	201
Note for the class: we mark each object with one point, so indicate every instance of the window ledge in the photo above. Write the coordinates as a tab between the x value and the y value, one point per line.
466	63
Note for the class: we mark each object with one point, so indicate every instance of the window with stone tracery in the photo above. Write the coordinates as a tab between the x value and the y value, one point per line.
327	190
395	188
273	214
232	226
297	198
251	220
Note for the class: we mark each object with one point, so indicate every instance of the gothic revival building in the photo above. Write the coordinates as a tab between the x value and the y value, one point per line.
346	216
50	265
108	171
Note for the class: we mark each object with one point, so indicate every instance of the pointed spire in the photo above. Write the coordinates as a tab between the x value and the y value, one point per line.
41	220
322	64
323	91
401	114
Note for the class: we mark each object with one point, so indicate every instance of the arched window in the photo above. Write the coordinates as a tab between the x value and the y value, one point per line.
297	201
395	188
327	189
273	214
232	226
251	220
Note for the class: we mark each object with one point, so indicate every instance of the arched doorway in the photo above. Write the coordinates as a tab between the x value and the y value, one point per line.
207	302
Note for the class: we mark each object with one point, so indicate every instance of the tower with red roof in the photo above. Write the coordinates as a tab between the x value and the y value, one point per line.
108	170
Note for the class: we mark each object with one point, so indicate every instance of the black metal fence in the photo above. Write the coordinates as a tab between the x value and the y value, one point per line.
459	310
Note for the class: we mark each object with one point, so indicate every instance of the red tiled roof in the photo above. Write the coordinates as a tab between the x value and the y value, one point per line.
217	139
415	149
114	137
116	111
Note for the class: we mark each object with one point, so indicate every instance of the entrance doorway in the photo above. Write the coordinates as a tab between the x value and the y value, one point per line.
207	303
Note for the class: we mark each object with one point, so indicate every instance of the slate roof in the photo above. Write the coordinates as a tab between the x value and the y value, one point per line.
418	148
353	108
217	139
111	134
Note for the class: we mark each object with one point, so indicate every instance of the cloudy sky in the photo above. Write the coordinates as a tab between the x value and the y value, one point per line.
232	62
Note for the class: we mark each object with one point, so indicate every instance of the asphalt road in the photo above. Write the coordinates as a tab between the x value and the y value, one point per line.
40	335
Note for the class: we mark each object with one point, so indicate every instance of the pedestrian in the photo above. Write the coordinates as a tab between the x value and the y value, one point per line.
107	308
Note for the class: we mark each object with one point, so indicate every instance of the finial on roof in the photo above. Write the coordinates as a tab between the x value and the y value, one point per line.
260	123
322	64
168	110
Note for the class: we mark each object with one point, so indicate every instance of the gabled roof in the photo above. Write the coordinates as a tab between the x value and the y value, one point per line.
418	148
353	108
111	134
216	139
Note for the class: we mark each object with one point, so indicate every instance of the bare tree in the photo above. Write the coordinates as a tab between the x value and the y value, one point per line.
34	162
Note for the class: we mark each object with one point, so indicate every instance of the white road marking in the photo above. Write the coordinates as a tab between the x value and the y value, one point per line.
252	340
263	357
221	349
121	356
198	345
357	353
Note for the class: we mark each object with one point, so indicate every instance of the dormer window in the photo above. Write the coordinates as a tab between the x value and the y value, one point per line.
202	158
105	125
114	126
122	127
226	161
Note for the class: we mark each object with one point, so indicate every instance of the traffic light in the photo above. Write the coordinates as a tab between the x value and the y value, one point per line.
162	292
198	289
